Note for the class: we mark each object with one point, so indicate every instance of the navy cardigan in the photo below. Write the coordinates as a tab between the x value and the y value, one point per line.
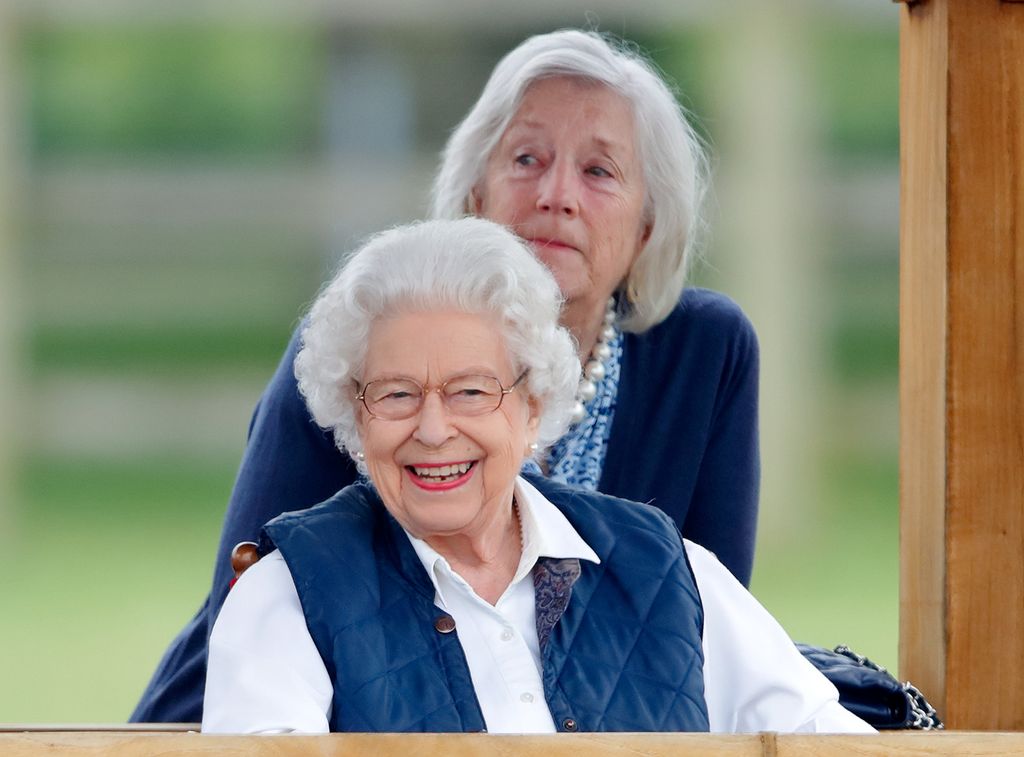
684	438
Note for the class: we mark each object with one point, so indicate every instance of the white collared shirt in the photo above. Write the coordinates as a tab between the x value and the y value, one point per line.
500	641
265	674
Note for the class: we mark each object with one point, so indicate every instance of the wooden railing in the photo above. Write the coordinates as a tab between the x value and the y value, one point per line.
129	743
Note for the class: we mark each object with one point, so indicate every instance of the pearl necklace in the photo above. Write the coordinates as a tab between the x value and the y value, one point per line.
593	370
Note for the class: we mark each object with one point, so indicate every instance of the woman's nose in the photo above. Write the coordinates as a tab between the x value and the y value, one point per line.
433	424
559	190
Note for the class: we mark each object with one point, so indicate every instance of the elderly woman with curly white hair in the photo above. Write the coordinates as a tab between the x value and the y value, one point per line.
449	592
579	146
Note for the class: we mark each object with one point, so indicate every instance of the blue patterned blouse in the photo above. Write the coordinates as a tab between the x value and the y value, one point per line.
578	457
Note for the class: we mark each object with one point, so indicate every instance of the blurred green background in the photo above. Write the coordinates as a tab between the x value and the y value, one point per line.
177	185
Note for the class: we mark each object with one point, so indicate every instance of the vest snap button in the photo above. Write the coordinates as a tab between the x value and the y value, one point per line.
569	724
444	624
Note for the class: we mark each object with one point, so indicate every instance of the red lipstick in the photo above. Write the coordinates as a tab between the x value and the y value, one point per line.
438	486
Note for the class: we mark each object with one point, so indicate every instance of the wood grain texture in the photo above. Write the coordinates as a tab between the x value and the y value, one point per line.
380	745
905	744
89	744
962	359
985	383
923	180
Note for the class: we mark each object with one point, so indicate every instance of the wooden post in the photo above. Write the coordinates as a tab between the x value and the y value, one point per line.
962	358
9	290
768	242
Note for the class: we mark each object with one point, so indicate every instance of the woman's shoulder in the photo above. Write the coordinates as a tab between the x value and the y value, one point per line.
600	517
356	503
709	312
705	327
340	535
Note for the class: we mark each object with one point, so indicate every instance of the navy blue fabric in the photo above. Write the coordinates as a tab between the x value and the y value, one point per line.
369	608
684	438
624	656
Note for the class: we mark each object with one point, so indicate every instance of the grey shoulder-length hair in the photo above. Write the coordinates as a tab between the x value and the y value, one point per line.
672	157
470	265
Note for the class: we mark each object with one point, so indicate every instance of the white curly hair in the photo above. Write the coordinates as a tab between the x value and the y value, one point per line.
471	265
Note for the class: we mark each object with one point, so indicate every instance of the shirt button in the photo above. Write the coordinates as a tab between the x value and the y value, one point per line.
569	724
444	624
507	635
526	697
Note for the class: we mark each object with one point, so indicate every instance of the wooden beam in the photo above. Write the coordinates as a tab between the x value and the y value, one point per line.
985	368
91	744
923	65
962	359
381	745
905	744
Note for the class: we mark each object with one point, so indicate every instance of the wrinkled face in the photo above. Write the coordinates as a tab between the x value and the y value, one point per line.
440	474
566	178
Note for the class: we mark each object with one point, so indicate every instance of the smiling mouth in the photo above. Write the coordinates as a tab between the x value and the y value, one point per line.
440	474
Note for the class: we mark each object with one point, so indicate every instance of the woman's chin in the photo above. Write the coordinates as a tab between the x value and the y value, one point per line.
438	525
566	267
440	508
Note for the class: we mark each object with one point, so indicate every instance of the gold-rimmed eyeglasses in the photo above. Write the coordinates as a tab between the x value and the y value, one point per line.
395	399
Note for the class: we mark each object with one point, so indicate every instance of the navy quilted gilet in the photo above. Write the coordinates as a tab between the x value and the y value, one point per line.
624	656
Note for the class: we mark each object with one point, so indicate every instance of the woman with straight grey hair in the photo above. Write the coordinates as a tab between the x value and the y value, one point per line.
666	149
579	147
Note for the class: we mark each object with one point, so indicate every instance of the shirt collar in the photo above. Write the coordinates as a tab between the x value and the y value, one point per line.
546	532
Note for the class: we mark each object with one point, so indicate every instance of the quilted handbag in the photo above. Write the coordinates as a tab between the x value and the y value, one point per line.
870	692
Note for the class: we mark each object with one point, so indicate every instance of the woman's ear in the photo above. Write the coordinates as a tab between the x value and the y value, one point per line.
475	202
641	243
360	412
534	408
645	237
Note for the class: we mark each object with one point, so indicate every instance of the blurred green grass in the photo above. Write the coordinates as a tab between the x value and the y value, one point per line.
837	580
241	92
105	562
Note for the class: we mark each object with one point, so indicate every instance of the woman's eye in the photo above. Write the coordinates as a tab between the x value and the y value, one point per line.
397	395
525	160
600	172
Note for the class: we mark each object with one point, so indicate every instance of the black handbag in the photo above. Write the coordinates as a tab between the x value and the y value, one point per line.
870	692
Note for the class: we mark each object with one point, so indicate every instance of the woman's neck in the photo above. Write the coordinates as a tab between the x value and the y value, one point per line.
487	561
584	321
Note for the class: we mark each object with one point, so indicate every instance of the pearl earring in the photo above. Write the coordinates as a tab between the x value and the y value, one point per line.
360	456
